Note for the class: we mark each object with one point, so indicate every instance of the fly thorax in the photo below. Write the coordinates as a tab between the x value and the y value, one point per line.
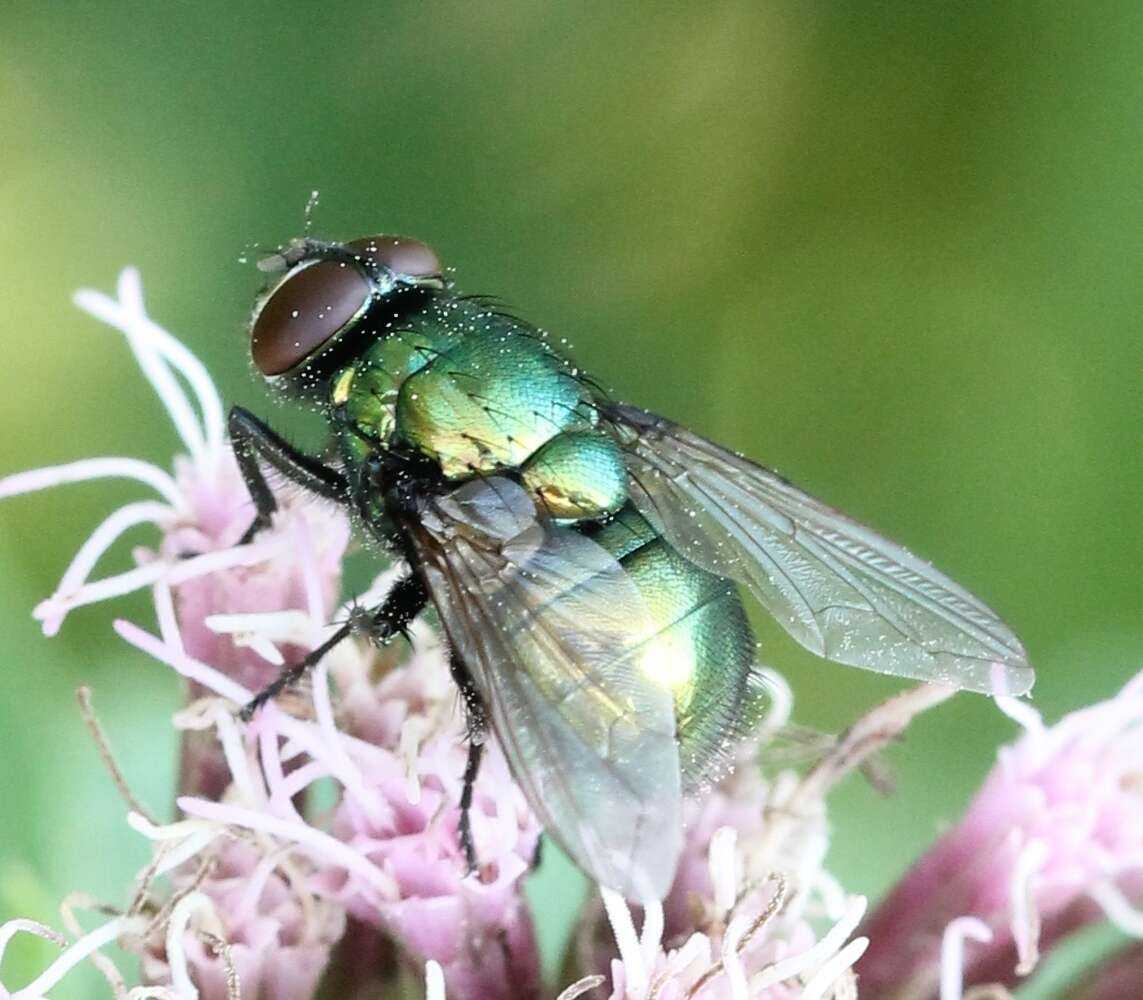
490	402
363	395
364	400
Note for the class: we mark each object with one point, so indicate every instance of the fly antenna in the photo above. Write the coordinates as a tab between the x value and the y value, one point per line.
308	214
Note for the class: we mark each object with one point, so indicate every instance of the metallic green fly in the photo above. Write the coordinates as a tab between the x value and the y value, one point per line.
584	556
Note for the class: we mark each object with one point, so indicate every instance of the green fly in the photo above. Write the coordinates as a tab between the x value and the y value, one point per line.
584	556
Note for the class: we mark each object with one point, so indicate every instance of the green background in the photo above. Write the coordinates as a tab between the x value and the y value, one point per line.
892	249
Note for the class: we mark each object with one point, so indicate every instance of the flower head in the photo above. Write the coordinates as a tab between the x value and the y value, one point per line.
474	925
259	884
753	912
762	945
325	833
1054	837
271	934
389	854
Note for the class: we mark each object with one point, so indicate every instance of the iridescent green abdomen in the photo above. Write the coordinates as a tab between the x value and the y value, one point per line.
577	475
702	648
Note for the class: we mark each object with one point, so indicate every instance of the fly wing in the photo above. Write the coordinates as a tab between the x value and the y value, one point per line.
838	588
554	631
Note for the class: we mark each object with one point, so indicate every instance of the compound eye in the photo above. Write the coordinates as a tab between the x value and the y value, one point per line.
402	255
310	306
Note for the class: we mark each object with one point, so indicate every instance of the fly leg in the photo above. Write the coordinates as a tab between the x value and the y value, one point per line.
471	769
405	600
477	733
291	675
251	440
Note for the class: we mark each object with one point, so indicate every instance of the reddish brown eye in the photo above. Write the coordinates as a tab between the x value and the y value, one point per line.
311	305
400	254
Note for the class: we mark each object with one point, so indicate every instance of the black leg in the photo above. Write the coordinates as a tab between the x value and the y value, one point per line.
251	440
473	706
477	723
402	604
406	599
291	675
471	769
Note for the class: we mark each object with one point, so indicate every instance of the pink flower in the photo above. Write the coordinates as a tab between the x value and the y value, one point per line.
390	853
258	890
752	913
748	938
1054	837
476	927
278	935
198	570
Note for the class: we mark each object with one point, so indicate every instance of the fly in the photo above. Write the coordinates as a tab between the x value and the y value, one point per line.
585	557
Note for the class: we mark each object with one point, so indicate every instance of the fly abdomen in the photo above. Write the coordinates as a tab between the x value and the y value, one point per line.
701	646
577	475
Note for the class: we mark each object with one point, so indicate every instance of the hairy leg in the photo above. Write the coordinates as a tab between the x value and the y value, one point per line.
405	600
253	440
477	733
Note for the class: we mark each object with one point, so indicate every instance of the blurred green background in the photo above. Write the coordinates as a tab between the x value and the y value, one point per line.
892	249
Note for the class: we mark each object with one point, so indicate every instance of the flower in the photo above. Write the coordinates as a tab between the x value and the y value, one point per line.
1053	838
389	856
752	913
189	499
762	946
726	933
475	926
317	848
272	888
199	574
271	934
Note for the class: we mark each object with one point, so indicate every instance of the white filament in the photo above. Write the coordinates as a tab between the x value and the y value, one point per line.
155	349
185	908
825	980
112	467
1025	914
732	961
1020	712
1118	908
75	954
651	934
952	952
103	537
626	941
722	863
818	954
54	608
434	981
299	833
